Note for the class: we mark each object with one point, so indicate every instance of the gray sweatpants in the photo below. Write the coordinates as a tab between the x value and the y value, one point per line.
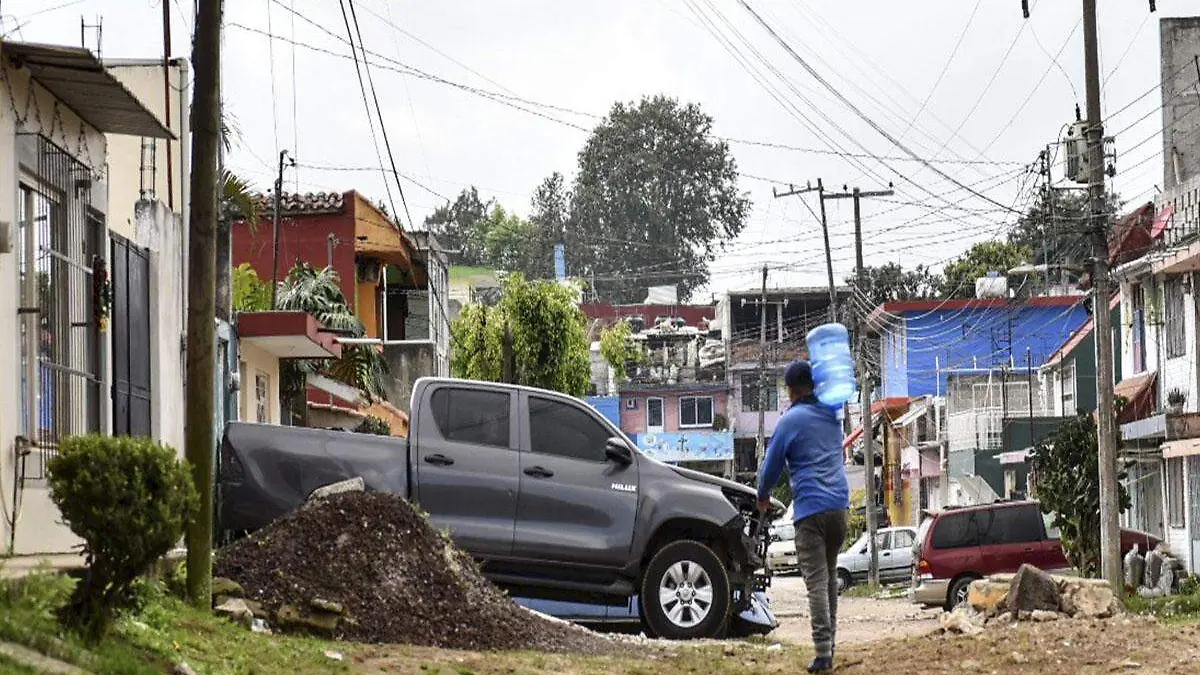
819	539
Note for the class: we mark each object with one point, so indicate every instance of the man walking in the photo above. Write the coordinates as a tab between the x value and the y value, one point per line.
808	438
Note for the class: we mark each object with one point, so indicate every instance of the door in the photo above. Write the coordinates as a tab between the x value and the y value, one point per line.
654	415
576	506
883	544
901	550
131	388
466	466
1011	536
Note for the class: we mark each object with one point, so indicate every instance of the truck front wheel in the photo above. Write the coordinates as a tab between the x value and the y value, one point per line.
685	592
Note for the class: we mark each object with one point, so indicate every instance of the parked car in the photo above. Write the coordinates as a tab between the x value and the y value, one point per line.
956	546
782	552
553	500
895	547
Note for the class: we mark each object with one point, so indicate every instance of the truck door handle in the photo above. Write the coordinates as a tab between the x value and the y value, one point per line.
539	472
438	460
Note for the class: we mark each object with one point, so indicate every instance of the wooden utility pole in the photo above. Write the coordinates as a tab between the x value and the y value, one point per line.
283	157
820	190
760	449
864	378
201	322
1110	543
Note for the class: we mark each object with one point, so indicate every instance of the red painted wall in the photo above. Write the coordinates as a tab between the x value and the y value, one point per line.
300	238
634	421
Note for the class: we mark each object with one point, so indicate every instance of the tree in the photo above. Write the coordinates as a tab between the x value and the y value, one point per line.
250	294
892	283
507	240
459	226
535	336
549	215
1066	469
987	256
316	291
1055	228
654	198
618	349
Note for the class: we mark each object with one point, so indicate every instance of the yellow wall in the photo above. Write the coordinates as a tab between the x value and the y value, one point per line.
255	362
364	295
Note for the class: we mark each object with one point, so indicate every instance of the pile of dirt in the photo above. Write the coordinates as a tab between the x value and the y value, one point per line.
396	579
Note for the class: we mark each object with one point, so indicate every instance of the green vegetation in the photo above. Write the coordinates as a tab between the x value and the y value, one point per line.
374	425
618	348
250	294
535	336
1182	607
128	499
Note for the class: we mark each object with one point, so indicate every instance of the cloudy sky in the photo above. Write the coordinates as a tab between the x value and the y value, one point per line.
500	94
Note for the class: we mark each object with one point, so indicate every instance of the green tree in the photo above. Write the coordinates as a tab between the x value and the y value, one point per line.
987	256
250	294
461	226
549	215
507	240
655	197
618	348
892	283
1066	469
315	291
535	336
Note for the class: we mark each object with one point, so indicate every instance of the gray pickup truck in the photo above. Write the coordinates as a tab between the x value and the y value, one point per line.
552	499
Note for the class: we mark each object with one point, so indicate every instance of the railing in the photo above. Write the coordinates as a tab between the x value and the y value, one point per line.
1184	200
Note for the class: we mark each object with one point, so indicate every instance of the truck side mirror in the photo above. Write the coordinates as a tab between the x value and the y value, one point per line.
617	450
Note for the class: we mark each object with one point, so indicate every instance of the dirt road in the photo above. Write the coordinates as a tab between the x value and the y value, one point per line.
859	619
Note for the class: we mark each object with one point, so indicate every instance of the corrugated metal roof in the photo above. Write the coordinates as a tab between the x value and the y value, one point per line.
77	78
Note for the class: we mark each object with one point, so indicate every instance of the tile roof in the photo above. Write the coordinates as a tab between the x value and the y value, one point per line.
309	203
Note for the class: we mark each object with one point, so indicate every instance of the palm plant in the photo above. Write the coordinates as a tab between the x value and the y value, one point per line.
315	291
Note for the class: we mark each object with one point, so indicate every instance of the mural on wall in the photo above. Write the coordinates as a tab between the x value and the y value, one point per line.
687	446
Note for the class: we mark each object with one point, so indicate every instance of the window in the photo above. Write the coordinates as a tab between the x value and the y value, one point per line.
1013	525
695	411
883	541
472	416
262	398
1175	513
1173	309
902	539
956	530
654	415
1069	406
566	431
753	400
1052	532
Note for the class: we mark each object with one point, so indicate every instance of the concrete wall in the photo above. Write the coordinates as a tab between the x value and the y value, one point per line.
255	362
145	80
300	238
163	233
744	420
407	362
1179	41
31	110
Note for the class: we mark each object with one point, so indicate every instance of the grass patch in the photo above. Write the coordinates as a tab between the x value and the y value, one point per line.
1184	608
153	638
10	667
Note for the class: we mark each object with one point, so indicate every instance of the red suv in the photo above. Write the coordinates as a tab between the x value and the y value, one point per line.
956	546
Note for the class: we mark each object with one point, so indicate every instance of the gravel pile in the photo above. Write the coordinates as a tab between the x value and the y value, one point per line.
399	580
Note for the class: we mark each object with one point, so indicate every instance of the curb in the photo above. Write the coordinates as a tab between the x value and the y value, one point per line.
38	661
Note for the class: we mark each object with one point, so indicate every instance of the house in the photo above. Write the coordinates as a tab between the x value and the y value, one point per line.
88	309
397	282
789	314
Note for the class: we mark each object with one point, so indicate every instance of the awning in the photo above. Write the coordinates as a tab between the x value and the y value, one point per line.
77	78
1161	221
891	406
1184	448
908	418
1138	390
1014	456
287	335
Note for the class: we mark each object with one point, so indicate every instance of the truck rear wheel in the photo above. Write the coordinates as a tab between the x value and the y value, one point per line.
685	592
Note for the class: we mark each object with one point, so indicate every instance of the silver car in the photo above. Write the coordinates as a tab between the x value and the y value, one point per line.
895	546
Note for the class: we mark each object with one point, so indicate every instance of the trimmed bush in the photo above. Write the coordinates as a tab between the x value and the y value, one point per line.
129	500
374	425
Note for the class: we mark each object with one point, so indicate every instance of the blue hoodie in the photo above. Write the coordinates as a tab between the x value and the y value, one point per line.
808	438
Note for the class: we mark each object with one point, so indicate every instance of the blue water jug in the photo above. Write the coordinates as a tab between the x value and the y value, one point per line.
832	364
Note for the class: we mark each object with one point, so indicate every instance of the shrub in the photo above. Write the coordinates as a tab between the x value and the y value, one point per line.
374	425
128	499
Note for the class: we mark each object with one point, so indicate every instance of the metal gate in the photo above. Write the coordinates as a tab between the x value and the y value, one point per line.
131	389
61	245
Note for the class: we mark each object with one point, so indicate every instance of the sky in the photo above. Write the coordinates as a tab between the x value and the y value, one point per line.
501	94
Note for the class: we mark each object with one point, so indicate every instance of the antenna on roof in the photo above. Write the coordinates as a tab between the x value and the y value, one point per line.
99	26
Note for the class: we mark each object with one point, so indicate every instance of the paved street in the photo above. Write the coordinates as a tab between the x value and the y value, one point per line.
859	619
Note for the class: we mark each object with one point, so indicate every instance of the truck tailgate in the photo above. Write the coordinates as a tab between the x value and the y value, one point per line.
267	470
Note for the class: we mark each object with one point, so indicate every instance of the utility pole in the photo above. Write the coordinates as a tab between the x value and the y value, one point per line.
820	190
864	377
283	158
201	322
1110	553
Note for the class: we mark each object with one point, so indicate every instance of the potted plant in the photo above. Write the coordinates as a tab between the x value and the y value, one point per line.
1175	400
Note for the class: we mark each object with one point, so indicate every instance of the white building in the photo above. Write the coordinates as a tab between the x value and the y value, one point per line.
63	355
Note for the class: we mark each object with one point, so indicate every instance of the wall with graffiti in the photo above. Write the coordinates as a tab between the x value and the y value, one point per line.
687	446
